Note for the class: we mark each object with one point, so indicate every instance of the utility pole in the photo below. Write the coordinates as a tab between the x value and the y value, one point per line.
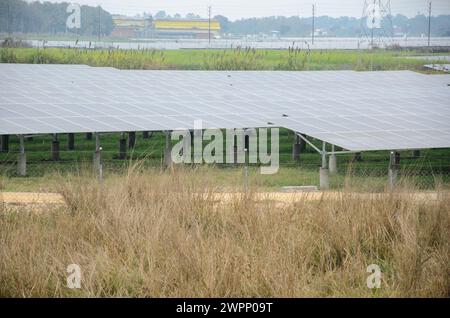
313	18
429	22
373	22
209	24
99	21
7	21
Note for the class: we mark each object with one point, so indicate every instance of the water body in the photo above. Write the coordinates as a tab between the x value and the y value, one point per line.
302	43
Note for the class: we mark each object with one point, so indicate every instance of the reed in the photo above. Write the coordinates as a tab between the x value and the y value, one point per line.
153	233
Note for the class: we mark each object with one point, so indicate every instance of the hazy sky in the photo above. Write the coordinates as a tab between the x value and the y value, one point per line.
236	9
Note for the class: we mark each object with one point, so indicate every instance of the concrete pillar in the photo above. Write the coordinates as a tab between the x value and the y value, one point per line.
70	141
5	143
131	139
55	148
357	157
168	151
324	179
146	135
88	136
98	156
332	164
296	150
122	147
324	182
298	146
22	160
198	145
394	165
238	150
235	154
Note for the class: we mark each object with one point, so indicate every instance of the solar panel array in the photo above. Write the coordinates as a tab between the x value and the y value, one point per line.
354	110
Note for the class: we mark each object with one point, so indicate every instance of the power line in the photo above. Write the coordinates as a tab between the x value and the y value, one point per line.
209	24
313	18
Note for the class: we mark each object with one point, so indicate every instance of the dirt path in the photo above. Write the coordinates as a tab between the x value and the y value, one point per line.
25	198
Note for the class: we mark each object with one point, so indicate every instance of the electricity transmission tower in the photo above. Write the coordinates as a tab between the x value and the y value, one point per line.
429	22
376	22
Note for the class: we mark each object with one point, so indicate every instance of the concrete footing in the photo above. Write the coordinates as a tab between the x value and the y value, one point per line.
324	183
235	154
22	159
22	165
122	147
131	139
332	164
296	150
394	166
55	148
298	146
98	167
168	151
357	157
197	145
4	147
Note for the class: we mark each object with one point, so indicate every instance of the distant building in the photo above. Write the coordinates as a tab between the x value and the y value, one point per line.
320	32
183	28
126	27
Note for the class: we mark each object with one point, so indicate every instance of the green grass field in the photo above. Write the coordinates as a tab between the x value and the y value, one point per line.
236	59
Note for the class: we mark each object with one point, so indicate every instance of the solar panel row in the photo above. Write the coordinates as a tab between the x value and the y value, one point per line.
355	110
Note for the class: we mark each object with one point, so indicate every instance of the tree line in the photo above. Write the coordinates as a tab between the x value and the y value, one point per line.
18	16
50	18
339	27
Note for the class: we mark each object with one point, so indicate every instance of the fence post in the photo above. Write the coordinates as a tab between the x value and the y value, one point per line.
324	179
22	160
122	146
98	157
131	139
55	148
394	163
168	151
71	141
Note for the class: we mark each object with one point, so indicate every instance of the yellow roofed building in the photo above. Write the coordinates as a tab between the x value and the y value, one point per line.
181	28
127	27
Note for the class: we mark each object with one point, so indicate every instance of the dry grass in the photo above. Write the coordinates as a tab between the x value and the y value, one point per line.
159	234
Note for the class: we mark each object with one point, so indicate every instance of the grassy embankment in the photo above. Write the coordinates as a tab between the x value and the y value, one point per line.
236	59
170	238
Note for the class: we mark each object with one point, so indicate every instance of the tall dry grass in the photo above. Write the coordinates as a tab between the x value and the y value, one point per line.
159	234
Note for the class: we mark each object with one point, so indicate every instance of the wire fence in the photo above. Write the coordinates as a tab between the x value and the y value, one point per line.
424	172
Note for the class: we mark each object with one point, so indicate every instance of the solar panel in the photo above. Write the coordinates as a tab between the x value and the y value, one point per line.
354	110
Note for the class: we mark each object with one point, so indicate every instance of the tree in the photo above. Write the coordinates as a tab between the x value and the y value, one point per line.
224	23
160	14
50	18
192	16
